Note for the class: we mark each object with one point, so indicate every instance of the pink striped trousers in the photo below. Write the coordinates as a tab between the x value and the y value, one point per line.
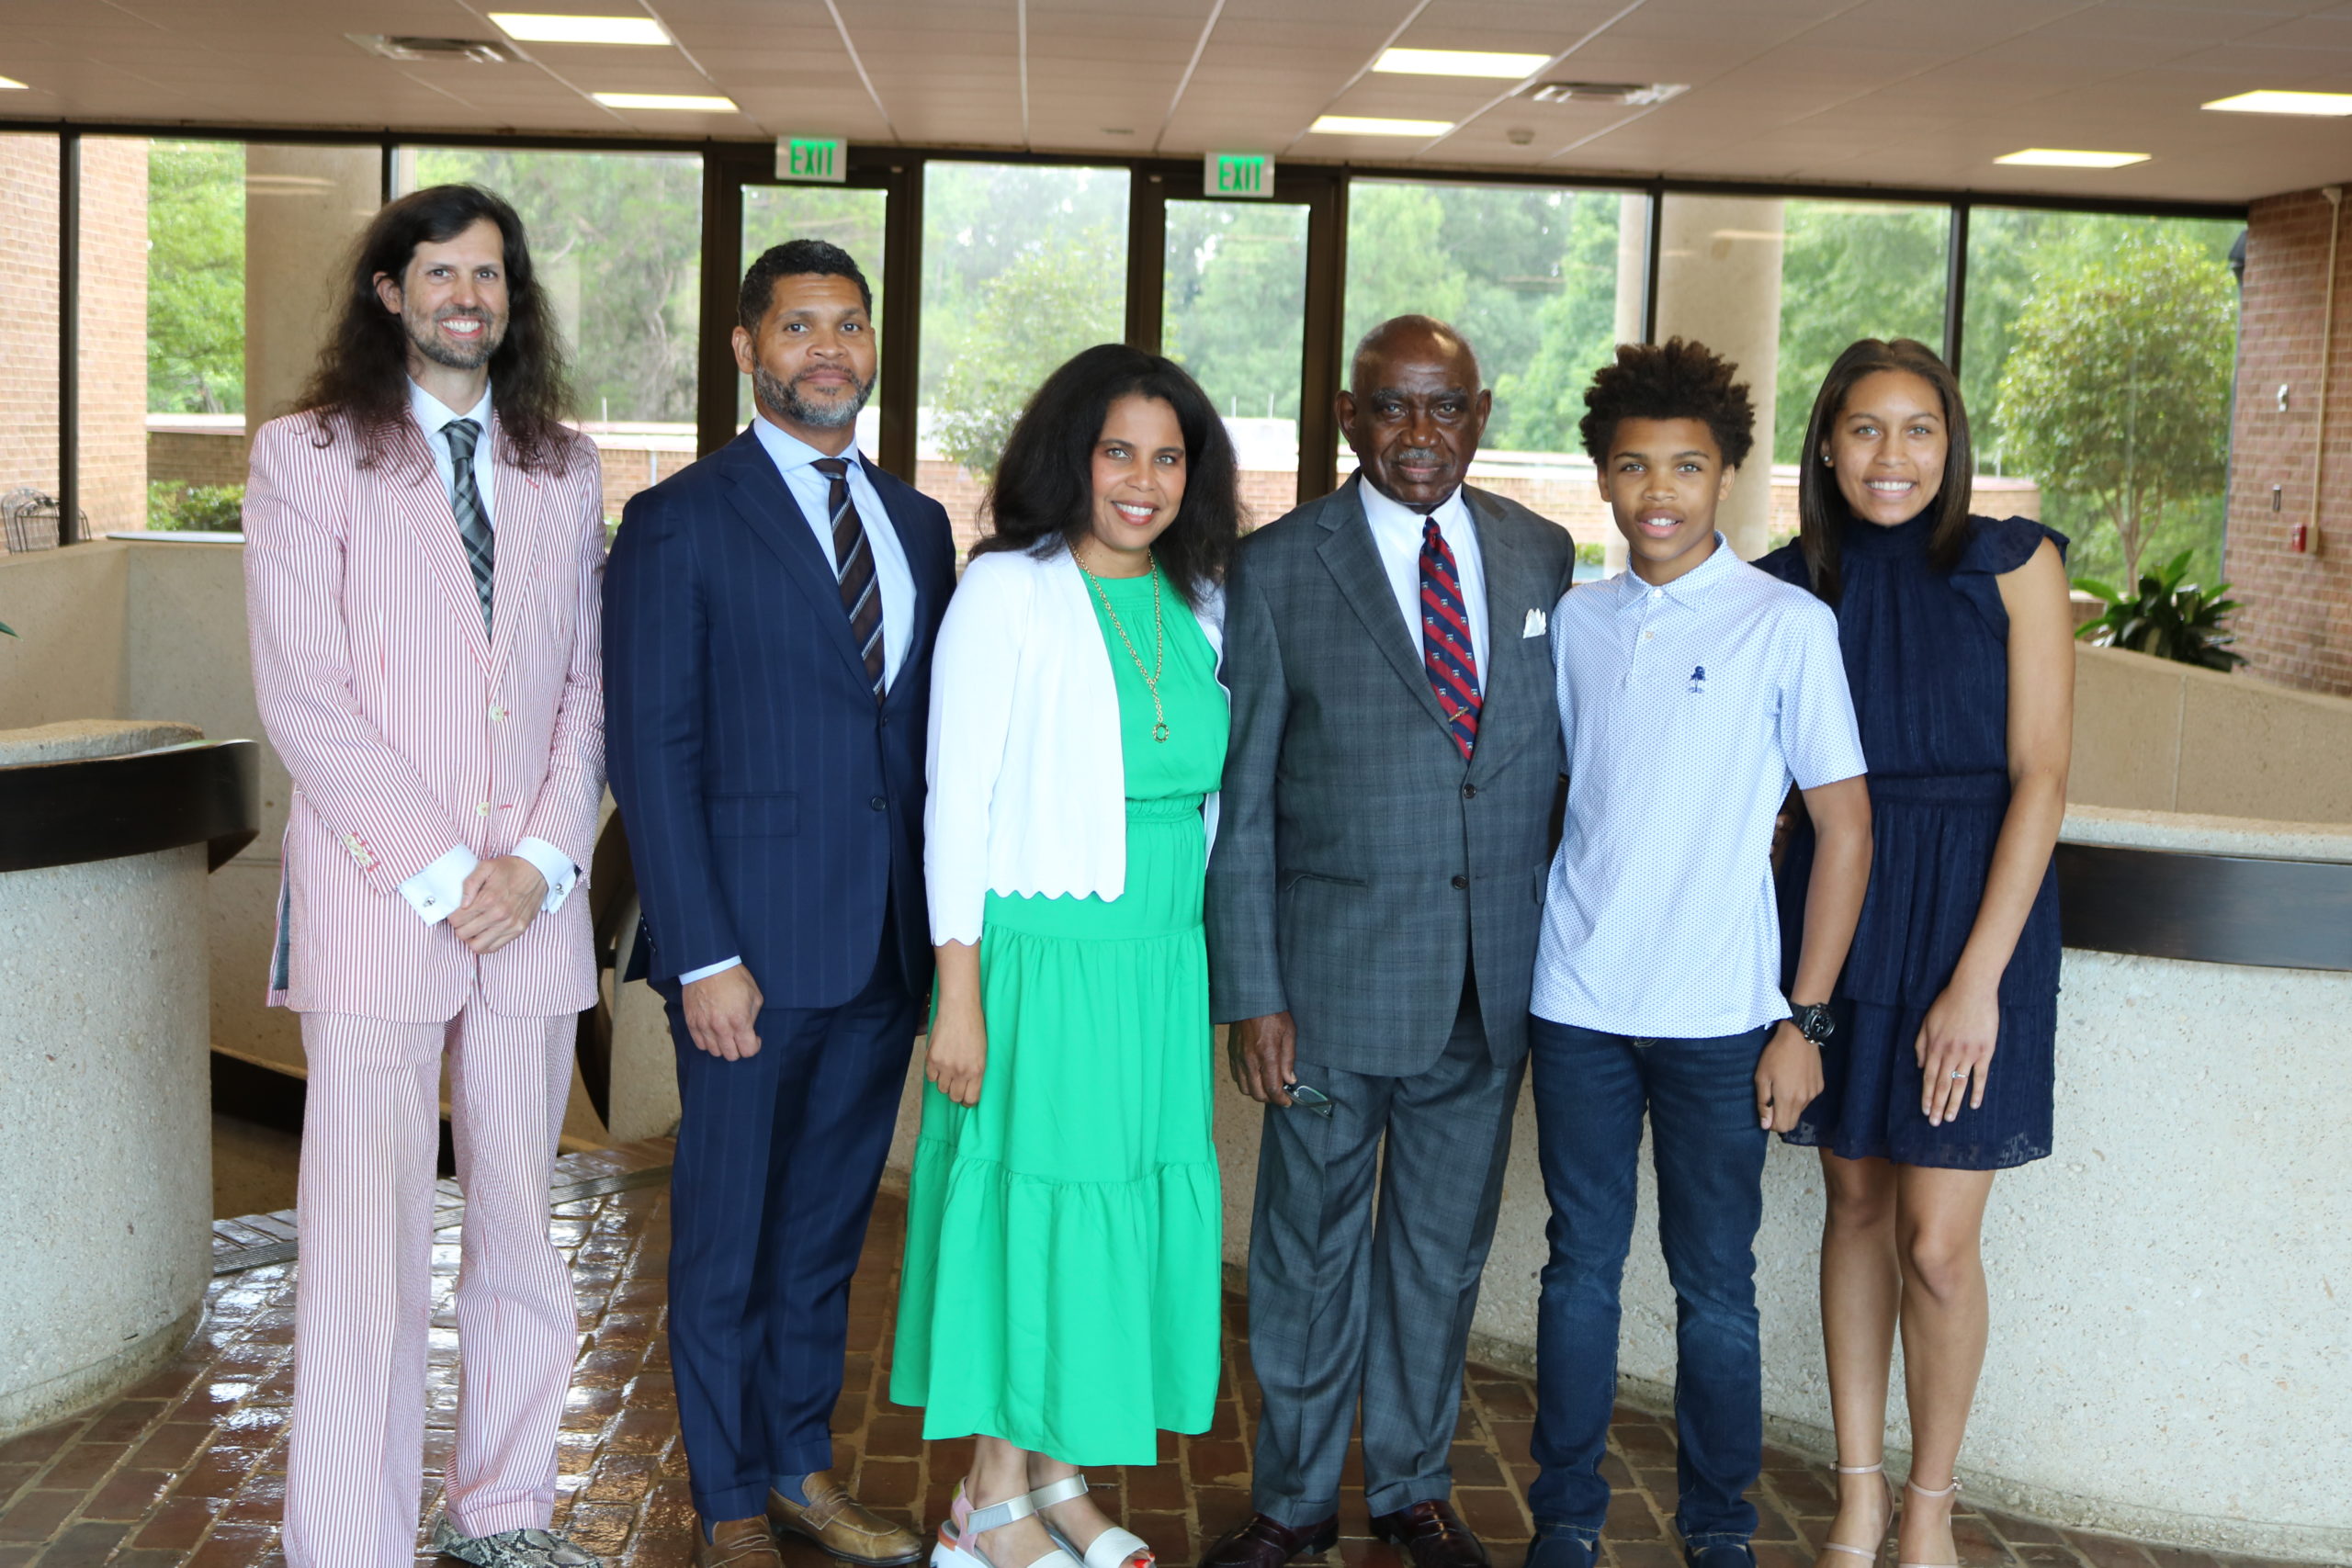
364	1281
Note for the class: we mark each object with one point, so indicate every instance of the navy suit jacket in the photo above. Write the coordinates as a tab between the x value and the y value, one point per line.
774	809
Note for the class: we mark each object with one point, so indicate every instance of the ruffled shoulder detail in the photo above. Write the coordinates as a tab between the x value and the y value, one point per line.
1787	563
1996	545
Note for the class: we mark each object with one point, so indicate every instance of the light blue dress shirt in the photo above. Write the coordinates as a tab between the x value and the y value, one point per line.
1686	711
796	461
437	892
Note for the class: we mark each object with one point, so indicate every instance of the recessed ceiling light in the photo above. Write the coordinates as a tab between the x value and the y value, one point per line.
1356	125
2061	158
531	27
1459	62
691	103
2285	103
9	83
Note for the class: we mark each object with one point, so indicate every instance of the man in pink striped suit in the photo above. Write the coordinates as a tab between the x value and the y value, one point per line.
423	545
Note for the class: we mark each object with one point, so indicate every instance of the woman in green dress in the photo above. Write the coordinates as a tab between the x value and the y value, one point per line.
1063	1266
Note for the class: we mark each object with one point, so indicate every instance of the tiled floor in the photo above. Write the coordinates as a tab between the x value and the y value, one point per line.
189	1468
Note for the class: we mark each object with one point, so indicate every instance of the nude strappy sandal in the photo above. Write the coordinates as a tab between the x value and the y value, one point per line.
1112	1549
1931	1492
959	1533
1871	1553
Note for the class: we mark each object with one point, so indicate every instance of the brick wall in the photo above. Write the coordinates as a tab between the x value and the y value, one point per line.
28	313
2296	624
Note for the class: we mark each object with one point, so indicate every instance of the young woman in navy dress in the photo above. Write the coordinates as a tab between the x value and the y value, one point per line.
1960	651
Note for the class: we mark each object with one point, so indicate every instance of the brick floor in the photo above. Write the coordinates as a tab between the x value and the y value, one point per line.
189	1468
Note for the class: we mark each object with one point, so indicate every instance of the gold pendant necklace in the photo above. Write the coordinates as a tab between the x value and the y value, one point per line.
1158	644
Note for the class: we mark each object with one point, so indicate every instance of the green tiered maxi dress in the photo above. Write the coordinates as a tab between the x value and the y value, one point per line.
1064	1264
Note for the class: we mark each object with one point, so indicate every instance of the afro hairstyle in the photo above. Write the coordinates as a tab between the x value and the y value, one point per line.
1675	379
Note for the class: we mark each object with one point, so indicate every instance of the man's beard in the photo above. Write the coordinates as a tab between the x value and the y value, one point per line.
456	356
786	400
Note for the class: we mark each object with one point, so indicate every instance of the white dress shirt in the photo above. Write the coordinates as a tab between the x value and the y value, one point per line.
435	892
796	461
1396	534
1686	709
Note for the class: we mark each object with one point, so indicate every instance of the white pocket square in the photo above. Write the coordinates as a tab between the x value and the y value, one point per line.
1538	623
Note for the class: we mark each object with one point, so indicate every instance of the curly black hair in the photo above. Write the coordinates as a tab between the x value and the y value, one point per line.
1042	497
1675	379
794	258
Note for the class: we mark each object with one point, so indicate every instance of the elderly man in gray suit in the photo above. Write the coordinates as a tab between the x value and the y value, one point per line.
1373	904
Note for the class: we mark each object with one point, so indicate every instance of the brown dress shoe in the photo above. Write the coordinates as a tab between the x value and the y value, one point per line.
735	1543
842	1526
1262	1543
1431	1534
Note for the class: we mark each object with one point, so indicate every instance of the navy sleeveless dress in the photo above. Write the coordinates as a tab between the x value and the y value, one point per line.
1927	656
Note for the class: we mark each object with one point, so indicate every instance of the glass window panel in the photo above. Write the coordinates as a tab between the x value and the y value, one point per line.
1234	313
1781	287
846	216
1538	280
2097	360
28	198
207	281
1023	266
618	241
1849	271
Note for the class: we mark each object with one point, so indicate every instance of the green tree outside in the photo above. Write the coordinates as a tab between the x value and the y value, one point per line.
2115	388
196	277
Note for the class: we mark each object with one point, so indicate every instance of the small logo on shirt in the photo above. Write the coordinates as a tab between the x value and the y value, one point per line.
1698	677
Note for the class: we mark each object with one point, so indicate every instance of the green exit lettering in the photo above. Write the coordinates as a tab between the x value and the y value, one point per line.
818	158
1238	175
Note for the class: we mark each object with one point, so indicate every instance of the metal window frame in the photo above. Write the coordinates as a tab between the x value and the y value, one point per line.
730	162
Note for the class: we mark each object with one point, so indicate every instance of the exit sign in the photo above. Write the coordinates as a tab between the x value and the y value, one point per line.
1249	175
823	158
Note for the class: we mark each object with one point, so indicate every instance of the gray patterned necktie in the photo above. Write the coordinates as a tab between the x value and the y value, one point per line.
465	500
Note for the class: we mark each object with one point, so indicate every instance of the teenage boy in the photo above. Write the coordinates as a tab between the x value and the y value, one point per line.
1692	689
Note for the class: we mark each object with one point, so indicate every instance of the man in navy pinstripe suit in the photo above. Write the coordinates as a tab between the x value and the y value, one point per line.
769	617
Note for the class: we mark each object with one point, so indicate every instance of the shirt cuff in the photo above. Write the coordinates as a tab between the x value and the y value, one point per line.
556	866
707	970
435	892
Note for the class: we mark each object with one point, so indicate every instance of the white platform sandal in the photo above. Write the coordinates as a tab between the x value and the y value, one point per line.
959	1533
1112	1549
1931	1492
1872	1553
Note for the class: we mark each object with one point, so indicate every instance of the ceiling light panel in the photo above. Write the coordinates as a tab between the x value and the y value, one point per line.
690	103
531	26
9	83
1459	62
2064	158
2285	103
1361	125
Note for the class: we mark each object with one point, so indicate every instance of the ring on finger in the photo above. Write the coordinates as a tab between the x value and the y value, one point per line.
1959	1072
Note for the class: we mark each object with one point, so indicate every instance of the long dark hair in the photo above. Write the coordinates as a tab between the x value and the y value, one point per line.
1821	510
361	382
1044	495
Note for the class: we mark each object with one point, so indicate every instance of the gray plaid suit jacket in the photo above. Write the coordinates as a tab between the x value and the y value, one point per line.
1360	863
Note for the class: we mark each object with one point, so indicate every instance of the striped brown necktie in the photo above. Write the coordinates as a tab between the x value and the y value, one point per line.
854	559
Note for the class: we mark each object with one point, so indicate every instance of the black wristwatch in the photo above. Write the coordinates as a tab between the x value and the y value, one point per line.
1813	1021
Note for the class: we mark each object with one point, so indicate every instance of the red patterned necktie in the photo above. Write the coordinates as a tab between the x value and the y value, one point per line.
853	560
1446	648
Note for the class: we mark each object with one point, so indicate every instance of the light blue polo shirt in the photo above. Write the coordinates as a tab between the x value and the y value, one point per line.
1686	710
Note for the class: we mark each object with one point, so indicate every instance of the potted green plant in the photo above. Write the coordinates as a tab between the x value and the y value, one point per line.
2167	617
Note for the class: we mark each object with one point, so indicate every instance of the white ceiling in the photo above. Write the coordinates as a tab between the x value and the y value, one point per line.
1918	93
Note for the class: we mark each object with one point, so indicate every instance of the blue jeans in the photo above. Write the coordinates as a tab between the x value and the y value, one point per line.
1590	1093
